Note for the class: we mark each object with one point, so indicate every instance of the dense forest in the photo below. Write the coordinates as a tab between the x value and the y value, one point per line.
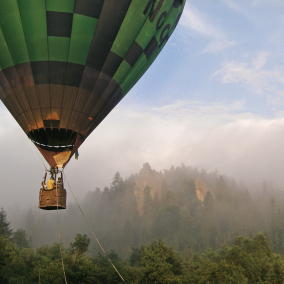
182	225
246	261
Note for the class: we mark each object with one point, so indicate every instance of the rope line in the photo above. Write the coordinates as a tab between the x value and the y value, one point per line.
39	215
91	228
39	155
38	241
58	228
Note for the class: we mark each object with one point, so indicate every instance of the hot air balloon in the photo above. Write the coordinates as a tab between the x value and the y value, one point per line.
65	64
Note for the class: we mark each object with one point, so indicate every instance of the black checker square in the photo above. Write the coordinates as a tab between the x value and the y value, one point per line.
113	89
89	8
74	74
12	77
111	64
57	73
101	84
40	72
133	54
59	23
89	78
4	84
177	3
2	95
151	47
111	19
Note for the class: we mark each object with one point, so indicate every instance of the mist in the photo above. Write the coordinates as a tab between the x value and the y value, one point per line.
221	137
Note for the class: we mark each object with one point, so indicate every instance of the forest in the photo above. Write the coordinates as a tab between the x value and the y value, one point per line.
180	225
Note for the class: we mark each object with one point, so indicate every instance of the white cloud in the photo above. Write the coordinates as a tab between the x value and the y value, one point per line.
274	100
218	45
220	135
242	5
232	4
270	2
199	23
253	75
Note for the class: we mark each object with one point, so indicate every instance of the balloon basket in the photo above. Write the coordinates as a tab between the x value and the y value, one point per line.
52	199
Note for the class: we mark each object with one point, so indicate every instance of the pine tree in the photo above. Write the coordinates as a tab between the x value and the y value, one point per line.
117	184
5	229
208	201
21	239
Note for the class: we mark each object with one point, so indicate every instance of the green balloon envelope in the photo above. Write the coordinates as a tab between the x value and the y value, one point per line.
64	65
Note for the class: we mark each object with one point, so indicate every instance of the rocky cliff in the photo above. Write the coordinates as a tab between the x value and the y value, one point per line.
147	178
152	180
201	189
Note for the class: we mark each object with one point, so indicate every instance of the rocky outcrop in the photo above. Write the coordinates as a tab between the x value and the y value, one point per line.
201	189
150	179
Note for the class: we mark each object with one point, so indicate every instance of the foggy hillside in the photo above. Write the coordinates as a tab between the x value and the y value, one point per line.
189	209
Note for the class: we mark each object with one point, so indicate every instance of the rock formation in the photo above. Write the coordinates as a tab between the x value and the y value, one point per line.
147	178
201	189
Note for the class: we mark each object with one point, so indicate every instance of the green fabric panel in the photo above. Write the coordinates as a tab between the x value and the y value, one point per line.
60	5
149	29
143	38
5	58
58	48
170	19
121	72
135	76
142	61
31	5
173	16
130	28
33	16
83	30
142	64
12	29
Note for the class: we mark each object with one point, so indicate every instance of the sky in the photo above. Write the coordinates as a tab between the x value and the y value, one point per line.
213	99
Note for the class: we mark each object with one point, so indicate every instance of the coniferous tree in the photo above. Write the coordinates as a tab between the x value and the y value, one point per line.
5	229
21	239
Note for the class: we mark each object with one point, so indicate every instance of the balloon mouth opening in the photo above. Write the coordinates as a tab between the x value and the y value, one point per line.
49	146
53	140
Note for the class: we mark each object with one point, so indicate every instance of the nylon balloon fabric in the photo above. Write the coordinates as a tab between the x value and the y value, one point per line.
64	65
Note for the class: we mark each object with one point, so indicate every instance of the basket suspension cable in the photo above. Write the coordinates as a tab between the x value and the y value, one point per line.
38	155
91	228
38	242
57	219
63	268
44	178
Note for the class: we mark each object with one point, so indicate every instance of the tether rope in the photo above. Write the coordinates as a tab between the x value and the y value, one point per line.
38	242
57	226
38	218
38	155
59	231
91	229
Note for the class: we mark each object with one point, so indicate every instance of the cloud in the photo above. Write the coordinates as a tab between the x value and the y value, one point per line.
222	136
192	19
218	45
197	22
241	5
218	135
253	75
232	4
270	2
